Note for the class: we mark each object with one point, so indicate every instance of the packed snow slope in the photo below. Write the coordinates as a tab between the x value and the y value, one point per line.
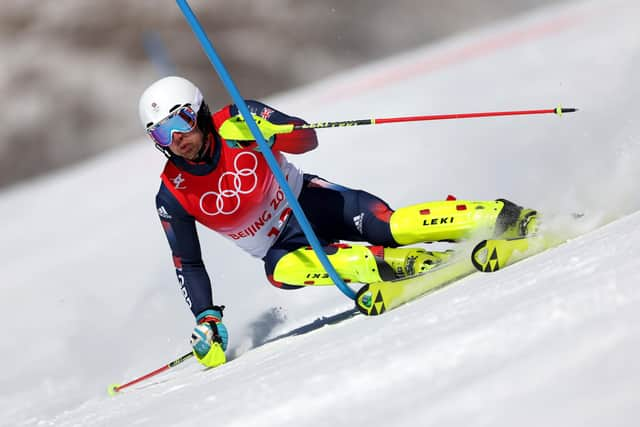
89	295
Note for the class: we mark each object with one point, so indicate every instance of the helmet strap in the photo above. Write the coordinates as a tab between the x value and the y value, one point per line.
164	151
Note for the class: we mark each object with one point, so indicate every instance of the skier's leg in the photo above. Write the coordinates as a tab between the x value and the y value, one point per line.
339	213
355	215
291	264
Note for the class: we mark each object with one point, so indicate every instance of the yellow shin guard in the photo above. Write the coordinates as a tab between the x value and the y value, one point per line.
449	220
356	263
352	263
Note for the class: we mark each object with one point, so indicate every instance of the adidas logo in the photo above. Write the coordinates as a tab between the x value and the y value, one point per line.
357	220
163	213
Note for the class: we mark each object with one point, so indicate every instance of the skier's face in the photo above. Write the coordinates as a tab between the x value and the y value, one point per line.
187	144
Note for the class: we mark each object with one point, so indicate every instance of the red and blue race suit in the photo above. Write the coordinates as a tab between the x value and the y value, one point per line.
234	193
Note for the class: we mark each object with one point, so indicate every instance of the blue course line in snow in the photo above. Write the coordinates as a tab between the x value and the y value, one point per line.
206	44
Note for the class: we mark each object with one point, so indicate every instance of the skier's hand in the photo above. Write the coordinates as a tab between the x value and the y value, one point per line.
210	338
236	129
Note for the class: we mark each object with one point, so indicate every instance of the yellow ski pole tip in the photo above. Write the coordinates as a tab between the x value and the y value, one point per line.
112	389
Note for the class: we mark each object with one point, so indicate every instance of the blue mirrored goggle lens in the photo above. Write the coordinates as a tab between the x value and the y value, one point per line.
182	120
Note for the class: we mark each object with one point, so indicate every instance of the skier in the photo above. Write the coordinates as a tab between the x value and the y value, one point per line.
215	175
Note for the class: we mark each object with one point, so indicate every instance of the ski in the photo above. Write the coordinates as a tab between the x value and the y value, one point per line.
487	256
376	298
494	254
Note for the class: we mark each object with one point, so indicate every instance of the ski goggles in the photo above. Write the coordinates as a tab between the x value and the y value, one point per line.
181	120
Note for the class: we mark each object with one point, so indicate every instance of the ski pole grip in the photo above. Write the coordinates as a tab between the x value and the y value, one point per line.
236	129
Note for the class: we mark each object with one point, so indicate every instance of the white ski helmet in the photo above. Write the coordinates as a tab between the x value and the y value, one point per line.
159	100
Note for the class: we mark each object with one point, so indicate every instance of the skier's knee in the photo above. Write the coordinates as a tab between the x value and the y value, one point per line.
371	217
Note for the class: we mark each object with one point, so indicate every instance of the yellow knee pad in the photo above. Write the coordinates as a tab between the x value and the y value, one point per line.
448	220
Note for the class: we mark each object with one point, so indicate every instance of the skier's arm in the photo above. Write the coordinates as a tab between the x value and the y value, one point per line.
294	142
180	229
210	336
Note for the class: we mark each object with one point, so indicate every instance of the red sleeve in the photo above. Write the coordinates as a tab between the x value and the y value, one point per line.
296	142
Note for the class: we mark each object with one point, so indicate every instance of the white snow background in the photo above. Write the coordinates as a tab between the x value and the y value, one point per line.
89	295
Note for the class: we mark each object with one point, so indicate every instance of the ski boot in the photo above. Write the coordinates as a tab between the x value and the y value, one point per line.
515	221
407	262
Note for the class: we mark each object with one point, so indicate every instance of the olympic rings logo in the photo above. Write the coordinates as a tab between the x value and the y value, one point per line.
227	201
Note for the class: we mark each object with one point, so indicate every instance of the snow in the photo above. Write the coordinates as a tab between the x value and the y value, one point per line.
90	298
